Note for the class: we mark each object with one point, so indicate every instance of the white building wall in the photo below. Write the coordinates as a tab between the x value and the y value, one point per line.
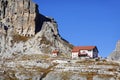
89	52
54	54
83	51
74	54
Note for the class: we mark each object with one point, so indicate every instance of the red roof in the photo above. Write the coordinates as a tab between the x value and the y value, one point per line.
78	48
55	51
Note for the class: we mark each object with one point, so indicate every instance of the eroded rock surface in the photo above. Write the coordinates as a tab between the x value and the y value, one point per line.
20	14
23	30
115	55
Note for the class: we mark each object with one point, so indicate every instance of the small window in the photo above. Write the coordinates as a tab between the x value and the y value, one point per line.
89	50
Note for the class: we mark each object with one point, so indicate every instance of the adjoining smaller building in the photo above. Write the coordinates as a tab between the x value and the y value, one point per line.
85	52
55	53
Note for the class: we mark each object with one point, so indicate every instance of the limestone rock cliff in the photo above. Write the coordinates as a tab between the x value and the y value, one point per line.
115	55
23	30
20	14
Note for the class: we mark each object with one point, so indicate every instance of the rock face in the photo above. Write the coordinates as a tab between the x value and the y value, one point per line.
19	13
23	30
115	55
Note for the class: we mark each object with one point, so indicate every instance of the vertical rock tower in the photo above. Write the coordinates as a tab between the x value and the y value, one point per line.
118	46
19	14
24	30
115	55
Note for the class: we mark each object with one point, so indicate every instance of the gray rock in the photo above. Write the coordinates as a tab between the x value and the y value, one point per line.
64	76
21	14
115	55
53	76
23	30
78	77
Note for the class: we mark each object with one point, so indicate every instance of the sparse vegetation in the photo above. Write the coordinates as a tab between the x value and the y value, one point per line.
88	75
105	76
34	57
18	38
86	62
45	41
107	63
112	69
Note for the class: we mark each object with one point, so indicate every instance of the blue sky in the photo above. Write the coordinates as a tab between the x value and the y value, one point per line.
86	22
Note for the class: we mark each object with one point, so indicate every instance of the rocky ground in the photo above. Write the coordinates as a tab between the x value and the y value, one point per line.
39	67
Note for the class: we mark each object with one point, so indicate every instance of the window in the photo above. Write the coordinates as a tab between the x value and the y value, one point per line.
89	50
